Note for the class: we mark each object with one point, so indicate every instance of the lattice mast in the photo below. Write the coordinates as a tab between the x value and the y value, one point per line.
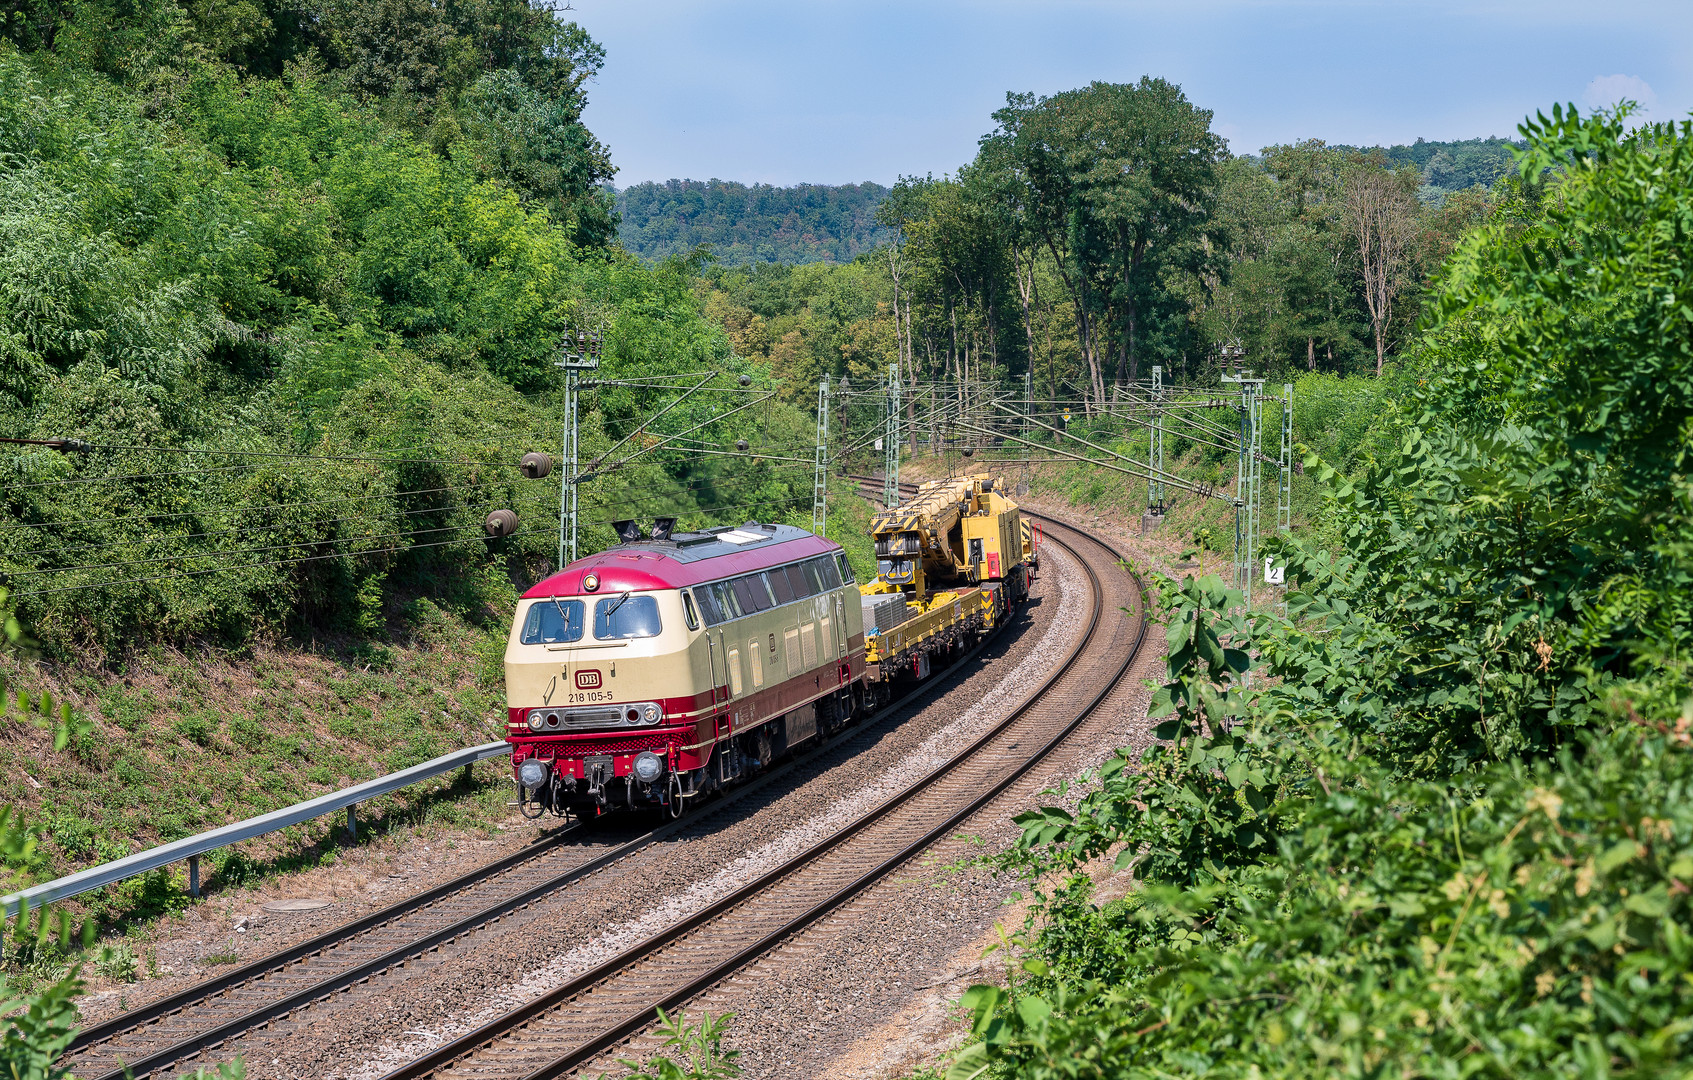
1248	479
581	353
1155	445
820	466
1284	480
890	444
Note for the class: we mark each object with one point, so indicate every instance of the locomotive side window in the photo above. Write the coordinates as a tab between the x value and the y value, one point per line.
845	567
709	607
626	616
689	615
551	622
753	593
799	582
726	601
781	586
743	593
828	571
812	577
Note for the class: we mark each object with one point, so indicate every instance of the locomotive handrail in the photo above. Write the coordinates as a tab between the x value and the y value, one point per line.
192	847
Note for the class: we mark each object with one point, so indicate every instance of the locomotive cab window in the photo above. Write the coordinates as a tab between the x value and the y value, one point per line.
845	568
553	622
618	617
689	615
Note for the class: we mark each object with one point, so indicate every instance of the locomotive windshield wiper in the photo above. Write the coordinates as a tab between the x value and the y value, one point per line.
615	604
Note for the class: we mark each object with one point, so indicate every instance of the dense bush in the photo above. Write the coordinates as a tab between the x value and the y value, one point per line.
1448	834
353	331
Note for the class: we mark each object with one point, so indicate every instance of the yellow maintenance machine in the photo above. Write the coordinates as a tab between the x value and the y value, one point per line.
952	561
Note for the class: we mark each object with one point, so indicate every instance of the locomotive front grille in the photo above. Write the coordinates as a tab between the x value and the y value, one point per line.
598	716
613	744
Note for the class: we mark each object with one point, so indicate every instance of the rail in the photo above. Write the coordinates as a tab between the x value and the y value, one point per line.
192	847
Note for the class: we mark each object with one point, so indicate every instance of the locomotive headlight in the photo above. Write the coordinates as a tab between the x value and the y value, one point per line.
648	766
532	773
650	713
536	719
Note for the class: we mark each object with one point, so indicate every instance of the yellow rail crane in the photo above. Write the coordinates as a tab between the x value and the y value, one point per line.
951	563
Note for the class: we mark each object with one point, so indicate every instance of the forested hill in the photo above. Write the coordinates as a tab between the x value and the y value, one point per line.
827	223
1454	166
757	224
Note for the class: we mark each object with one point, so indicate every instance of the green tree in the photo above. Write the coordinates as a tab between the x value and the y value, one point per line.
1120	182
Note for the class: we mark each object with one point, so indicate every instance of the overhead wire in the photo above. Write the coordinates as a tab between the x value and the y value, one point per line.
245	550
317	522
794	501
251	566
301	457
243	509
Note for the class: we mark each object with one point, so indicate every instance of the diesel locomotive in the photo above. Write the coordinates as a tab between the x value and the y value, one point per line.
676	663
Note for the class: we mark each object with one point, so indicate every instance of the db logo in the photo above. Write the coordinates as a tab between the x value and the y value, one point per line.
588	679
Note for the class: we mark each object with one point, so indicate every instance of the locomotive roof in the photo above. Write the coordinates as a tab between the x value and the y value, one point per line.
685	559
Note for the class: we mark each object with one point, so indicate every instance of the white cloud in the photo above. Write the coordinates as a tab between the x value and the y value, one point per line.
1607	90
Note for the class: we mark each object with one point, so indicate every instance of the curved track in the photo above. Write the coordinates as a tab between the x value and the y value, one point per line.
568	1027
160	1036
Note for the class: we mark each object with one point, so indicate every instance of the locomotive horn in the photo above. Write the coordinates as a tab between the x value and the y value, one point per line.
662	527
627	531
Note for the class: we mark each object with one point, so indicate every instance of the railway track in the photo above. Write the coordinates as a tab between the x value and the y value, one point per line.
566	1028
158	1037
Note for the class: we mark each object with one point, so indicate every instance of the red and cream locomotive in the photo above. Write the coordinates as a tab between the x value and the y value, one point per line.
671	665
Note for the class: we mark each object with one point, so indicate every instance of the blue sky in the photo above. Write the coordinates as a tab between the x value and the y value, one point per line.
828	92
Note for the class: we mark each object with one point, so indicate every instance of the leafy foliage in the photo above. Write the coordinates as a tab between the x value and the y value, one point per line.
1447	834
348	323
700	1046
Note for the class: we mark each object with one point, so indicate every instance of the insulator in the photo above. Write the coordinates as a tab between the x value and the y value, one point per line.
500	523
741	445
746	380
535	465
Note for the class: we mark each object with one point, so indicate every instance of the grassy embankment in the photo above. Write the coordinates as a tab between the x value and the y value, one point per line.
179	741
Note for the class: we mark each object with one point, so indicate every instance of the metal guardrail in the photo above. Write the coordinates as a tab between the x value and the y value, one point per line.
192	847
